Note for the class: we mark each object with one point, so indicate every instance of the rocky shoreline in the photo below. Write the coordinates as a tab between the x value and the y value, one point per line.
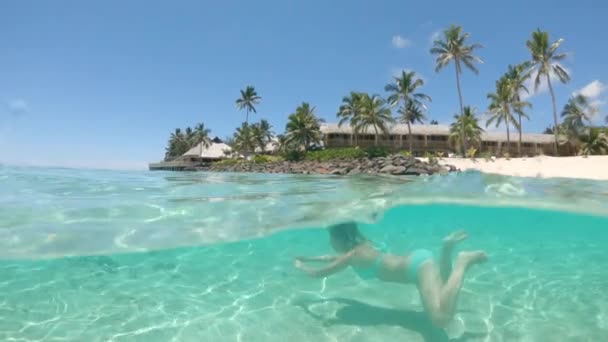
392	165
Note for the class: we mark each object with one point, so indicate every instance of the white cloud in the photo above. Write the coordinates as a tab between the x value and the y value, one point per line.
592	90
543	86
18	107
400	42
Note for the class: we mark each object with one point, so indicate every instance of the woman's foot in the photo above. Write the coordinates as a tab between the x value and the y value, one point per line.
468	258
451	240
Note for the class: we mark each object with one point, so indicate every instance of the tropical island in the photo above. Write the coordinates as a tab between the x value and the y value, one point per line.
369	138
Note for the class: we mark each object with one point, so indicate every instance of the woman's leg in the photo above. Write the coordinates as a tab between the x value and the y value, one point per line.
445	259
440	299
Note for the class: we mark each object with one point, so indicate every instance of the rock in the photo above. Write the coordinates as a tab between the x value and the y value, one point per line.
337	172
354	171
398	170
416	171
388	169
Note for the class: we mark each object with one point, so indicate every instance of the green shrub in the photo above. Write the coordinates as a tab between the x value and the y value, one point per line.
260	159
431	158
335	153
293	155
486	155
471	152
376	151
227	162
406	153
506	155
440	154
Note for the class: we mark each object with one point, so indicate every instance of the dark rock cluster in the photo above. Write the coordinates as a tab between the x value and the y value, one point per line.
393	165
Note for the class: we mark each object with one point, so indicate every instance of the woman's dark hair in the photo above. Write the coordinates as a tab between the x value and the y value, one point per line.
348	234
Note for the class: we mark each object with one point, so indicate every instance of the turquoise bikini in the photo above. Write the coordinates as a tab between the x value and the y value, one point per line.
417	257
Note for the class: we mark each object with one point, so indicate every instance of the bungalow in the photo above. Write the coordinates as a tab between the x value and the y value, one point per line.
196	156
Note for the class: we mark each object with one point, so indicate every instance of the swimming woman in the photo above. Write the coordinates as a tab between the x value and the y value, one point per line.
438	285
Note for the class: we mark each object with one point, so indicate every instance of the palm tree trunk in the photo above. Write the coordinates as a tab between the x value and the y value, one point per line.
409	135
508	137
554	114
519	142
247	117
376	140
463	140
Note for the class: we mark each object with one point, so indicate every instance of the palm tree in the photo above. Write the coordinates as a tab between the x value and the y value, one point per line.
576	112
453	48
372	112
466	128
517	76
502	103
303	127
349	109
404	90
434	122
189	134
410	114
249	98
262	134
594	142
545	60
281	143
244	140
201	137
177	145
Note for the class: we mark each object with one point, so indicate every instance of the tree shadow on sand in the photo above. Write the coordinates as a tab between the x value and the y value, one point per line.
354	312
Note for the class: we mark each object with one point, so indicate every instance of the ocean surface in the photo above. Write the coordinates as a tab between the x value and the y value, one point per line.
152	256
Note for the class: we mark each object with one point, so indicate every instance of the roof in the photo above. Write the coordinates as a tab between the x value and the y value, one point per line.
401	129
214	151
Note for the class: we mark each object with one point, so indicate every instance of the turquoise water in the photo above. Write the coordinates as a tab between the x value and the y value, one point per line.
207	257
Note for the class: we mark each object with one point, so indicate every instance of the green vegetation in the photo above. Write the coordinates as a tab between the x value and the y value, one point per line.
465	129
228	162
431	158
503	103
595	141
249	138
371	112
516	77
293	155
335	153
471	152
180	142
376	152
303	128
363	111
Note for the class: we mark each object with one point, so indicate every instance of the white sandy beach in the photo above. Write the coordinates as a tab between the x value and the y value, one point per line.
592	167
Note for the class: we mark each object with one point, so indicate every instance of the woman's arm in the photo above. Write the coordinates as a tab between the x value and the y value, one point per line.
337	265
321	258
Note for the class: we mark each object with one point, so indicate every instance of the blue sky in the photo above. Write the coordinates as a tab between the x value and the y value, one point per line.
103	83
